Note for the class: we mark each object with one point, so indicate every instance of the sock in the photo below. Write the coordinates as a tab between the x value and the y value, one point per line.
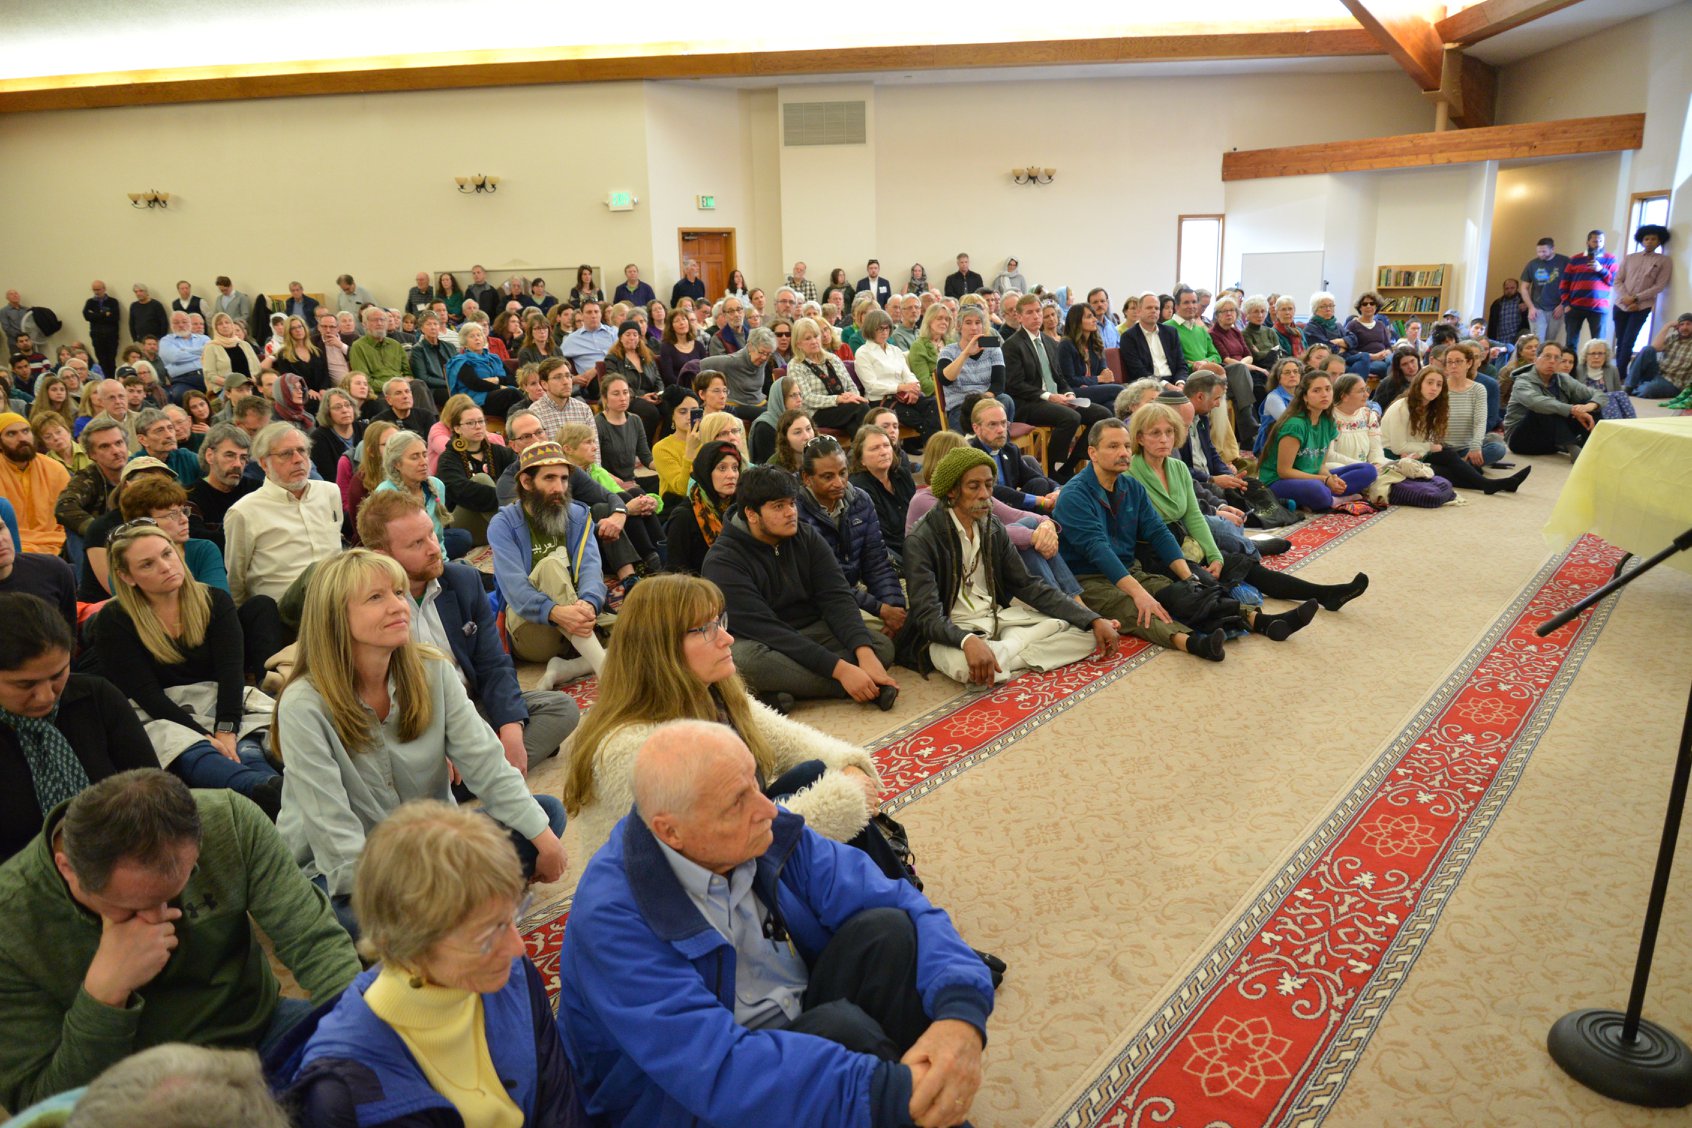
561	670
1279	628
1339	595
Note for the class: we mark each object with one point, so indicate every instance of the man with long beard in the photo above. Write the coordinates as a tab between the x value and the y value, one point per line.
32	484
546	561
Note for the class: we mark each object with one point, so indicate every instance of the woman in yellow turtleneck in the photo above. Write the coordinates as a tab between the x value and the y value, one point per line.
454	1019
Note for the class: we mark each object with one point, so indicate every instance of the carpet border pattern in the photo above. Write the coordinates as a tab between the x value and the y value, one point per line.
1214	1040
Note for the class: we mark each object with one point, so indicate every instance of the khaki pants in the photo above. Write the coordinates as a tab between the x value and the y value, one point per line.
473	521
1111	602
1026	640
541	642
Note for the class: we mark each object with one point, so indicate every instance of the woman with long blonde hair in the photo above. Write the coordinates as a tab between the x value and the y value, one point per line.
366	720
174	646
360	477
670	659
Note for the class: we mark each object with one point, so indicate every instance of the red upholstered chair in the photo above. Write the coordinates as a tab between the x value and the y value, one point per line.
1113	363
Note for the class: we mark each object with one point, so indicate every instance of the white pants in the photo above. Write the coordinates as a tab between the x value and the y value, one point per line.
1026	640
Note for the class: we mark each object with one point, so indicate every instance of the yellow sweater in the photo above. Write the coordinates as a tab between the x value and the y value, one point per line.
444	1030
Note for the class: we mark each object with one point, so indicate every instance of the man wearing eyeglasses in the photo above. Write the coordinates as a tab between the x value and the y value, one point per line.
133	925
798	627
274	534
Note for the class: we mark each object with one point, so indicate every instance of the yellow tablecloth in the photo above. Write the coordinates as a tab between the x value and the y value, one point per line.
1632	486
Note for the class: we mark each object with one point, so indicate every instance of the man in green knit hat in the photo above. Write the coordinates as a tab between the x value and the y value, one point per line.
962	575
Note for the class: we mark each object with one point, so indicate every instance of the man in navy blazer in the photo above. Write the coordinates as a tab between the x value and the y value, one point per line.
875	284
450	611
1034	379
1138	359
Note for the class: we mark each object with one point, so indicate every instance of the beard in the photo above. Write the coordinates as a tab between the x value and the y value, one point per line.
22	454
550	517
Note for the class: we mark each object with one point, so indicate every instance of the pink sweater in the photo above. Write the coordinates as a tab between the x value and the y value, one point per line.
1021	536
1642	277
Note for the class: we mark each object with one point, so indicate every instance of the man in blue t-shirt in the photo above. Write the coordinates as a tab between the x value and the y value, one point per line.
1542	278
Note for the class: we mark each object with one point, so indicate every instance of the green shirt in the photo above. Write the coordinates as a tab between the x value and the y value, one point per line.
1313	441
216	990
380	360
923	356
1196	344
1177	502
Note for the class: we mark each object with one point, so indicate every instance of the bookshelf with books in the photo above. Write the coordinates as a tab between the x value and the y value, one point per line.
1413	291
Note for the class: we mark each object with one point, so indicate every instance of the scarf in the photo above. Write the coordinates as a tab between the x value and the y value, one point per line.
225	342
707	505
824	372
53	766
773	405
709	517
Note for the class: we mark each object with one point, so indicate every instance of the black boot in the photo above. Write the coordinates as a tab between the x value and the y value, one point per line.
1207	646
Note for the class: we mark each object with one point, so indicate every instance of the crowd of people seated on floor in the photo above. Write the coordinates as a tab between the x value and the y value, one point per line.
266	591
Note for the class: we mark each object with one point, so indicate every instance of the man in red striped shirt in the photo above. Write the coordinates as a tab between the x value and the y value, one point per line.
1587	280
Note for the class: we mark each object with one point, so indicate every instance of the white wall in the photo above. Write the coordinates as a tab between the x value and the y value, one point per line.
829	195
1562	199
698	141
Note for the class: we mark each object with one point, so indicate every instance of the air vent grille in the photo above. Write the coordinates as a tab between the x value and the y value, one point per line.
823	123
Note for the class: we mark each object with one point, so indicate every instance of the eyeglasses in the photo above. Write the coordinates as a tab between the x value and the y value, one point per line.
712	631
486	943
823	444
132	526
779	333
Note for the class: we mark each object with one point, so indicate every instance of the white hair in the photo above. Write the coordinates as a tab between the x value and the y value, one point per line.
671	763
1319	297
182	1086
1256	301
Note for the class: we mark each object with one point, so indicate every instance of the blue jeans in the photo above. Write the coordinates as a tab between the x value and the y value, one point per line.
456	542
1645	378
1053	571
288	1014
203	766
1229	538
954	411
1494	414
1492	452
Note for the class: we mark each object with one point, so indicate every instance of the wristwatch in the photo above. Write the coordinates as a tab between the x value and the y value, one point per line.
225	727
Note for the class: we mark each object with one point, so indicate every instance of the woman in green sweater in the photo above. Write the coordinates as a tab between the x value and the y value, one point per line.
1154	431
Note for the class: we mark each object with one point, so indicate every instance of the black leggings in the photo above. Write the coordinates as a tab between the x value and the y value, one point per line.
1457	470
1279	585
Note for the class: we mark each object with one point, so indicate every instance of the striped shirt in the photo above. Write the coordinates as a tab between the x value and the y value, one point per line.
1466	425
1587	281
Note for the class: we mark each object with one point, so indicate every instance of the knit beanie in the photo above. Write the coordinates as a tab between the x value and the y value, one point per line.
944	477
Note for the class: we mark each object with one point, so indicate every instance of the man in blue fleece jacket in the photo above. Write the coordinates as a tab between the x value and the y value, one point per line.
725	965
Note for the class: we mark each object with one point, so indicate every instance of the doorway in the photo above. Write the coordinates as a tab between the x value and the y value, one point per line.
713	250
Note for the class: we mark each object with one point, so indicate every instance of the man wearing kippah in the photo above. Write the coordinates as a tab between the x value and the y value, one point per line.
962	575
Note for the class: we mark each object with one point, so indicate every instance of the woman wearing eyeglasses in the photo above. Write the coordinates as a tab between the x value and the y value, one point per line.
413	1040
1369	338
670	659
365	723
174	646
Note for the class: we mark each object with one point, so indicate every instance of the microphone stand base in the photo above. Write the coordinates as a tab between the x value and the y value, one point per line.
1652	1071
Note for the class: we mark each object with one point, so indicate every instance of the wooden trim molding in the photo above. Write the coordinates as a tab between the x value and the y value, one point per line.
545	66
1569	137
1493	17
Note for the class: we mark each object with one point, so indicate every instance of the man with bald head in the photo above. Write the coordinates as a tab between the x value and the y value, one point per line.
725	964
105	317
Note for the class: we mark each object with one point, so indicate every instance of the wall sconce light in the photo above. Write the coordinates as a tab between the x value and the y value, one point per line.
470	185
1033	175
153	198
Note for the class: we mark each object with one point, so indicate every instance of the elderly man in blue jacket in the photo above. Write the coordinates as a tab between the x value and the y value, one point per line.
450	611
725	965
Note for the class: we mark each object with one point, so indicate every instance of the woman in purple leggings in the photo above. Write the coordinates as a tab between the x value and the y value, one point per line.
1296	446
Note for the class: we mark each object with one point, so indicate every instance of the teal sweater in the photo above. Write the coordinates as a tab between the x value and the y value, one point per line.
217	989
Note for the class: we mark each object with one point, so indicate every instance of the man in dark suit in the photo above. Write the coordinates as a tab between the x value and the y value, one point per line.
105	318
963	280
300	304
1017	480
875	284
450	611
1034	379
1150	348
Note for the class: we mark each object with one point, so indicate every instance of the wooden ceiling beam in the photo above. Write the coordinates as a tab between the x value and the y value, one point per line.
1403	29
546	66
1492	17
1469	87
1570	137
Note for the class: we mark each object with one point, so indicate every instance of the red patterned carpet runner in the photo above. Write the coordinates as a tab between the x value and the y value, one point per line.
974	726
1265	1030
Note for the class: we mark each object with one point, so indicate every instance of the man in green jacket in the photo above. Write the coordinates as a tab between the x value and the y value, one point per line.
125	924
376	354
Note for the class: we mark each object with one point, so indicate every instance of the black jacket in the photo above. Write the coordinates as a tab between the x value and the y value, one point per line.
882	288
103	731
1136	354
469	622
104	317
454	473
932	555
957	285
1016	477
770	592
148	319
1022	368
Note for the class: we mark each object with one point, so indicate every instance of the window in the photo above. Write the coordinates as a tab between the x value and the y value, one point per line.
1198	252
1646	207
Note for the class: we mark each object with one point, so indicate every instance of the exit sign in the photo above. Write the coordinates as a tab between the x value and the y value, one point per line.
620	201
706	203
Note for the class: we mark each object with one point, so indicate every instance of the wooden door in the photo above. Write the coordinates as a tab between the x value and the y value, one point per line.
714	251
